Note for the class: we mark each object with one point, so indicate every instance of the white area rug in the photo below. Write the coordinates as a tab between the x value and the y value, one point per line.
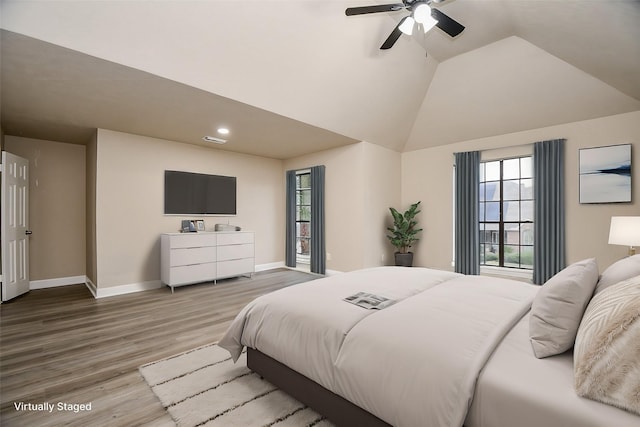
203	387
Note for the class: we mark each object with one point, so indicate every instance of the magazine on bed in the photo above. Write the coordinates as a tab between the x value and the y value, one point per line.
369	301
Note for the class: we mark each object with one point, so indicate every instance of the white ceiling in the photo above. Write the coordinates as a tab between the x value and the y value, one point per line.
290	77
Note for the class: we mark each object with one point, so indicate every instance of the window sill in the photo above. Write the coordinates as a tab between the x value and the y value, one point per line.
507	273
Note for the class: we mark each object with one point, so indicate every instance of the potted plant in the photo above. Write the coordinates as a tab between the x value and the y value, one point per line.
403	234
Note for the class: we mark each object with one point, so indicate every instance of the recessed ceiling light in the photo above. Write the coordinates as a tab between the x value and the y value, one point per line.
214	139
223	131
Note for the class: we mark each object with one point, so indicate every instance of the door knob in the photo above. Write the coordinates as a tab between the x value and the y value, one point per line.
27	232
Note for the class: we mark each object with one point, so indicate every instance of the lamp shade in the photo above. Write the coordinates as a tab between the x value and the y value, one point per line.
625	230
406	26
428	24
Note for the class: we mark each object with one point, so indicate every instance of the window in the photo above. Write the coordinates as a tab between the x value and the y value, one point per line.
506	213
303	216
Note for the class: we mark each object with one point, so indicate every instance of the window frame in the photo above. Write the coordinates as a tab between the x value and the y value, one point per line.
498	237
301	256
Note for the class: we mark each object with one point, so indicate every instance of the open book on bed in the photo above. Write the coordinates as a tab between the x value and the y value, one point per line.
369	301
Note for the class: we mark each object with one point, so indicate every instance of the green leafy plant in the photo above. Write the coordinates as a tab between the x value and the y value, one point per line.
404	232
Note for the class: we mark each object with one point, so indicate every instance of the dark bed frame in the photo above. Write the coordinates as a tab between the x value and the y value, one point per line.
335	408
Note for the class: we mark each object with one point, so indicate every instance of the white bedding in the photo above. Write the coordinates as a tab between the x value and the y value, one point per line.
413	363
517	389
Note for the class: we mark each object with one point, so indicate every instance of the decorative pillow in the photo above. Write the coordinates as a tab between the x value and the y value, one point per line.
558	307
618	271
607	350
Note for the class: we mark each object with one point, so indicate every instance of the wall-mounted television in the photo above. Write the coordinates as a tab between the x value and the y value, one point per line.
188	193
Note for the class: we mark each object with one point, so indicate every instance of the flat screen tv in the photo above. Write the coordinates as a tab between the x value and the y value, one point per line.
187	193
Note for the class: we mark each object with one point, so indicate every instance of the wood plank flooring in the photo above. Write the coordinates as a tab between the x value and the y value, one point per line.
62	345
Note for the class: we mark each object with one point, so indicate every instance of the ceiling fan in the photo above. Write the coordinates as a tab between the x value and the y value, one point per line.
421	14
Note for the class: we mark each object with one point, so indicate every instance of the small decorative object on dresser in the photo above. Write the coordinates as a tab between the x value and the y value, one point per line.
205	257
187	226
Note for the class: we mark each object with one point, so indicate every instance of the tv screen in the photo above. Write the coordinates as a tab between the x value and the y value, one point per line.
187	193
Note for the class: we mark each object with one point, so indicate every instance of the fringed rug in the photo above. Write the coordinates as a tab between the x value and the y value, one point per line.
203	387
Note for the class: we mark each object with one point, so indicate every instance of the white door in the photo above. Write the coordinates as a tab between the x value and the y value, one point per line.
14	226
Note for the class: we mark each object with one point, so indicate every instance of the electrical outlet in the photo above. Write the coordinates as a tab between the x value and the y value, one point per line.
328	256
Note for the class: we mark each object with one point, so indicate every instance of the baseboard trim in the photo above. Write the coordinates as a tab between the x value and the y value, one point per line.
270	266
54	283
153	284
128	289
92	287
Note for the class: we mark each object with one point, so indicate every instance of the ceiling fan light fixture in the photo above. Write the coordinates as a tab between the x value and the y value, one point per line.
422	13
429	24
406	26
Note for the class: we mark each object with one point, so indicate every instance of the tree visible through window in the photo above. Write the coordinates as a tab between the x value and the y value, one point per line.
303	216
506	213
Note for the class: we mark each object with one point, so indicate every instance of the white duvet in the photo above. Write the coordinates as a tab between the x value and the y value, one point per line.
413	363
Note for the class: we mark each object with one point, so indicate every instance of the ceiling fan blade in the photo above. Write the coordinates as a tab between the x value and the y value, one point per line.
446	24
393	37
374	9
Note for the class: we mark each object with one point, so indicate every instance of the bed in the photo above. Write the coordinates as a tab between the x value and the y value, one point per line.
451	350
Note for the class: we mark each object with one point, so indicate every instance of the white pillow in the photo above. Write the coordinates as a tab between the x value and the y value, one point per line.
607	350
618	271
558	308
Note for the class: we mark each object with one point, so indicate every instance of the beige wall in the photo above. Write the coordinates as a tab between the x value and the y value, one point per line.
129	202
381	190
57	206
427	176
362	181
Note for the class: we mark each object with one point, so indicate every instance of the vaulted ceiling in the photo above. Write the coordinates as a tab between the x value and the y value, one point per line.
290	77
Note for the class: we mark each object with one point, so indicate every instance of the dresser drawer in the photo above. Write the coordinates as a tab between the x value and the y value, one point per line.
192	273
191	240
188	256
235	267
229	252
234	238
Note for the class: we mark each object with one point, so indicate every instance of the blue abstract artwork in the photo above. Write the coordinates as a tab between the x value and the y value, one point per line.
605	174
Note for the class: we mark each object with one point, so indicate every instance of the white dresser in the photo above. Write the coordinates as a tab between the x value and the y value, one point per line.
187	258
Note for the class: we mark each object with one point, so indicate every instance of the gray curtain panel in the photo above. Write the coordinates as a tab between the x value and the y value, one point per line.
318	249
549	232
467	242
290	243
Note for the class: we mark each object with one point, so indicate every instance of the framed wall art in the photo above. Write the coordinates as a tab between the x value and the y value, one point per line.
605	174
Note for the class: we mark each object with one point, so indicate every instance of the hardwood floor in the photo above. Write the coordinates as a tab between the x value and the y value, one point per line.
62	345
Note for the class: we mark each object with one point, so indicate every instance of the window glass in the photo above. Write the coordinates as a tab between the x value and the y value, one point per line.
511	189
526	189
305	180
492	211
526	257
526	167
492	171
492	191
526	212
511	211
511	256
305	197
512	234
511	169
